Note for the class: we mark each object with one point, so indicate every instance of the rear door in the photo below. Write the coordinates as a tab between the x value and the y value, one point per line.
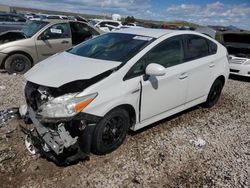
201	66
56	38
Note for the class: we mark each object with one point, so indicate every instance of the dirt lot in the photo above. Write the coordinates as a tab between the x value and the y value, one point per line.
163	155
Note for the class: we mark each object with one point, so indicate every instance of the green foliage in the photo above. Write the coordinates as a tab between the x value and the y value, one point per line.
130	19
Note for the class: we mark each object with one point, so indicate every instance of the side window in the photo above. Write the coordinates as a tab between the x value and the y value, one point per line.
57	31
197	47
18	19
103	24
113	23
87	28
137	69
4	18
168	53
212	47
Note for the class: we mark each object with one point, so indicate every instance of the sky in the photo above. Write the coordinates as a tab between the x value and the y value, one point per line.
204	12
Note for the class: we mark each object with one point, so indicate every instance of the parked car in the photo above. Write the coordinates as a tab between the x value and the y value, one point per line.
11	21
19	51
106	25
81	19
87	98
238	46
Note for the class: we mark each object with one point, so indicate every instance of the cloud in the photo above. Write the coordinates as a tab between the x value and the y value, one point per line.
209	14
127	7
213	13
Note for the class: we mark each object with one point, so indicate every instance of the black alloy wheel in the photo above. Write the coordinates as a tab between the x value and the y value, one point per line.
214	94
110	132
17	63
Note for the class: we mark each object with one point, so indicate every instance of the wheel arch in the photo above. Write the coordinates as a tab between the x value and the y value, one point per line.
18	52
222	79
131	111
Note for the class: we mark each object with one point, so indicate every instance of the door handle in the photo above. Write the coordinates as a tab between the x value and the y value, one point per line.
65	42
183	76
212	65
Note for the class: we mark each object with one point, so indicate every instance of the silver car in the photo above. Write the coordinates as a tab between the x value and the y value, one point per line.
20	50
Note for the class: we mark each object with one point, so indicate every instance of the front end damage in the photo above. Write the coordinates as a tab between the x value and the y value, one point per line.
63	140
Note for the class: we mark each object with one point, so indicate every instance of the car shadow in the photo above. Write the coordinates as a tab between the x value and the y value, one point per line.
239	78
133	133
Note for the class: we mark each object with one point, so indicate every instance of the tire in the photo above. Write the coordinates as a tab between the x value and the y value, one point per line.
17	63
214	94
109	134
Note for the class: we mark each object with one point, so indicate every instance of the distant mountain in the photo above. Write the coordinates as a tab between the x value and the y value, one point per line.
224	28
232	27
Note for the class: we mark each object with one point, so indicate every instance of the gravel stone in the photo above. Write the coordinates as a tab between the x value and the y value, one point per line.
158	156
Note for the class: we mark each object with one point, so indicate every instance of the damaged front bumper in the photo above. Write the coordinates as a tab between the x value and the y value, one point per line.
63	142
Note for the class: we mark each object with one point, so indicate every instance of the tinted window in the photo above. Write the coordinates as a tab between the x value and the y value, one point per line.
18	19
4	18
12	18
212	47
77	27
112	47
58	31
197	47
113	23
168	53
103	24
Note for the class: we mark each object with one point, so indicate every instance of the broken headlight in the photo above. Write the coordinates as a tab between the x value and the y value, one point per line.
65	106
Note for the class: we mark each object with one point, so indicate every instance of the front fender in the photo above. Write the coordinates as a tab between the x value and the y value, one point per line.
20	49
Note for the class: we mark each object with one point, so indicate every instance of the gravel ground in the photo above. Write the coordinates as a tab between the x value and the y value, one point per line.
163	155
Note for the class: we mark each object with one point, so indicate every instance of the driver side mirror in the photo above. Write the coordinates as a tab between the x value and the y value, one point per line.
154	69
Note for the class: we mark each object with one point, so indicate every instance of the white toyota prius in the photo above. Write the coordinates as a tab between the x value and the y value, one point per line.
86	99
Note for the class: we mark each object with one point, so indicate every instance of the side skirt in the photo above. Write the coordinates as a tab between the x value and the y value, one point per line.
166	114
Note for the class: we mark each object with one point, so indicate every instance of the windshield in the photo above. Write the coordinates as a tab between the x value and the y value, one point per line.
112	46
32	28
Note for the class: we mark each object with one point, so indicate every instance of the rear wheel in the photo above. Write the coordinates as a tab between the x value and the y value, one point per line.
214	94
110	132
17	63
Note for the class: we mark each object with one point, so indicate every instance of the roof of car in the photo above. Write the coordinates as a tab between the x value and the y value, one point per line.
55	20
154	33
104	20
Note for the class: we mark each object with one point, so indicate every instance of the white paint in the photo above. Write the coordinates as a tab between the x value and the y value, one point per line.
183	86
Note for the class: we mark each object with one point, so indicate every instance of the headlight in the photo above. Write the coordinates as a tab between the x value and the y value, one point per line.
65	106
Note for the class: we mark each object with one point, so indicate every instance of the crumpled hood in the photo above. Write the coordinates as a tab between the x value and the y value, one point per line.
63	68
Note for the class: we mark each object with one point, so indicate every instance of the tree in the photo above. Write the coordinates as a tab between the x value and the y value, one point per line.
130	19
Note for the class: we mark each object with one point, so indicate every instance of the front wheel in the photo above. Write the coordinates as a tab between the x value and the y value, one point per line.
110	132
214	94
17	63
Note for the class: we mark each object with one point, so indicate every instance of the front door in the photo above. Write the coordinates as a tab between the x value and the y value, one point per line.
53	40
164	93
